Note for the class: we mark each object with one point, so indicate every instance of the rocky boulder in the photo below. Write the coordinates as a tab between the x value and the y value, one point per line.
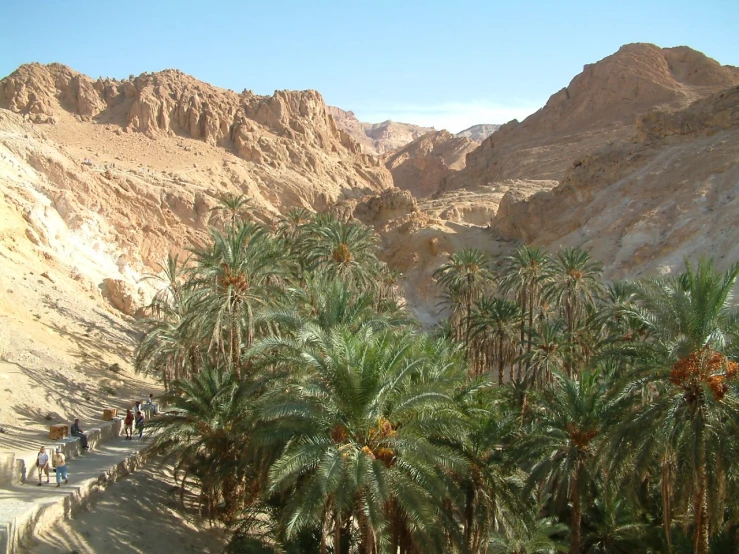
121	295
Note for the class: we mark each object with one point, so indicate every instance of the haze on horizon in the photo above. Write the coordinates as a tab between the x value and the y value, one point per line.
428	63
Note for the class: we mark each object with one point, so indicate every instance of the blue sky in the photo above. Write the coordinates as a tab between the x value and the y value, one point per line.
443	64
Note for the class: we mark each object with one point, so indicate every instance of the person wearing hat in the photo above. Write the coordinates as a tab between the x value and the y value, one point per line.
60	463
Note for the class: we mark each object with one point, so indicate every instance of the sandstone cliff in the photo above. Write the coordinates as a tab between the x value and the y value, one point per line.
421	165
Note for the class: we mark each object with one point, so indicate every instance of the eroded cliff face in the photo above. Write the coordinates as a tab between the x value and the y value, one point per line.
599	106
291	129
120	173
421	165
642	205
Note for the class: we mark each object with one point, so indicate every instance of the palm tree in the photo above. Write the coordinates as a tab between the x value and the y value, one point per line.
547	355
169	283
574	285
684	389
166	350
359	453
242	270
340	250
563	440
614	528
493	325
524	274
234	205
488	497
293	223
388	292
206	432
168	347
541	539
465	277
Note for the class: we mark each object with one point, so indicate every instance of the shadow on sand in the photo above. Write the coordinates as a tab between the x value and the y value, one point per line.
140	514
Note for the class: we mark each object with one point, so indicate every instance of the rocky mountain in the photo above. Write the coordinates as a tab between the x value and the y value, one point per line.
478	133
421	165
599	106
118	173
635	159
377	138
642	205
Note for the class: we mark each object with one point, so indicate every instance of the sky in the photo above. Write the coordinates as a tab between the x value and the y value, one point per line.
449	64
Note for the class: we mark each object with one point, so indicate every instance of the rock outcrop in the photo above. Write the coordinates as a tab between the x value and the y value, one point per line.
421	165
121	295
291	129
643	205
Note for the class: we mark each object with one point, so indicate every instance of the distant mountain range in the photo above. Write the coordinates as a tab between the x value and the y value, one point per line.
380	138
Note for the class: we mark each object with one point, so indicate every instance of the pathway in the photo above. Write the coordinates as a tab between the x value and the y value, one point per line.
27	509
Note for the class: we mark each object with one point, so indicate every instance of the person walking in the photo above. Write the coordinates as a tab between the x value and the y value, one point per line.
60	464
128	424
42	463
140	423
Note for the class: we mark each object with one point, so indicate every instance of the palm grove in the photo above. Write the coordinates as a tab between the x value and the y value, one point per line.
550	412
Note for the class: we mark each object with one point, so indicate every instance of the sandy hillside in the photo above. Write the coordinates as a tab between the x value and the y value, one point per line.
64	351
642	205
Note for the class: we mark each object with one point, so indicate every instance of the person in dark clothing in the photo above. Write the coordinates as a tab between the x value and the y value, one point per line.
77	432
140	423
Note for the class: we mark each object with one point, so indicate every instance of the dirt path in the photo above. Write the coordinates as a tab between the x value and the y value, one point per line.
139	514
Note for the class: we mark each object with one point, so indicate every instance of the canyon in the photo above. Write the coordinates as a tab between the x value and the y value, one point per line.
637	159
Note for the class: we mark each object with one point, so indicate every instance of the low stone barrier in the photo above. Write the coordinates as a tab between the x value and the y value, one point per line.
16	469
32	518
7	468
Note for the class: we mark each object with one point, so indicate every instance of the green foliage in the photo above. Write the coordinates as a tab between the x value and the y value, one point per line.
552	413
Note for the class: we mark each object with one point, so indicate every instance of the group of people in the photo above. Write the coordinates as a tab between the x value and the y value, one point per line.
136	416
129	422
59	462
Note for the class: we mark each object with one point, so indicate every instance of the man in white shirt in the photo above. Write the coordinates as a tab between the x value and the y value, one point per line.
151	406
42	463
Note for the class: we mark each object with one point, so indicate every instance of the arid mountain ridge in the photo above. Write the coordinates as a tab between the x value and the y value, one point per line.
599	106
166	146
388	136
